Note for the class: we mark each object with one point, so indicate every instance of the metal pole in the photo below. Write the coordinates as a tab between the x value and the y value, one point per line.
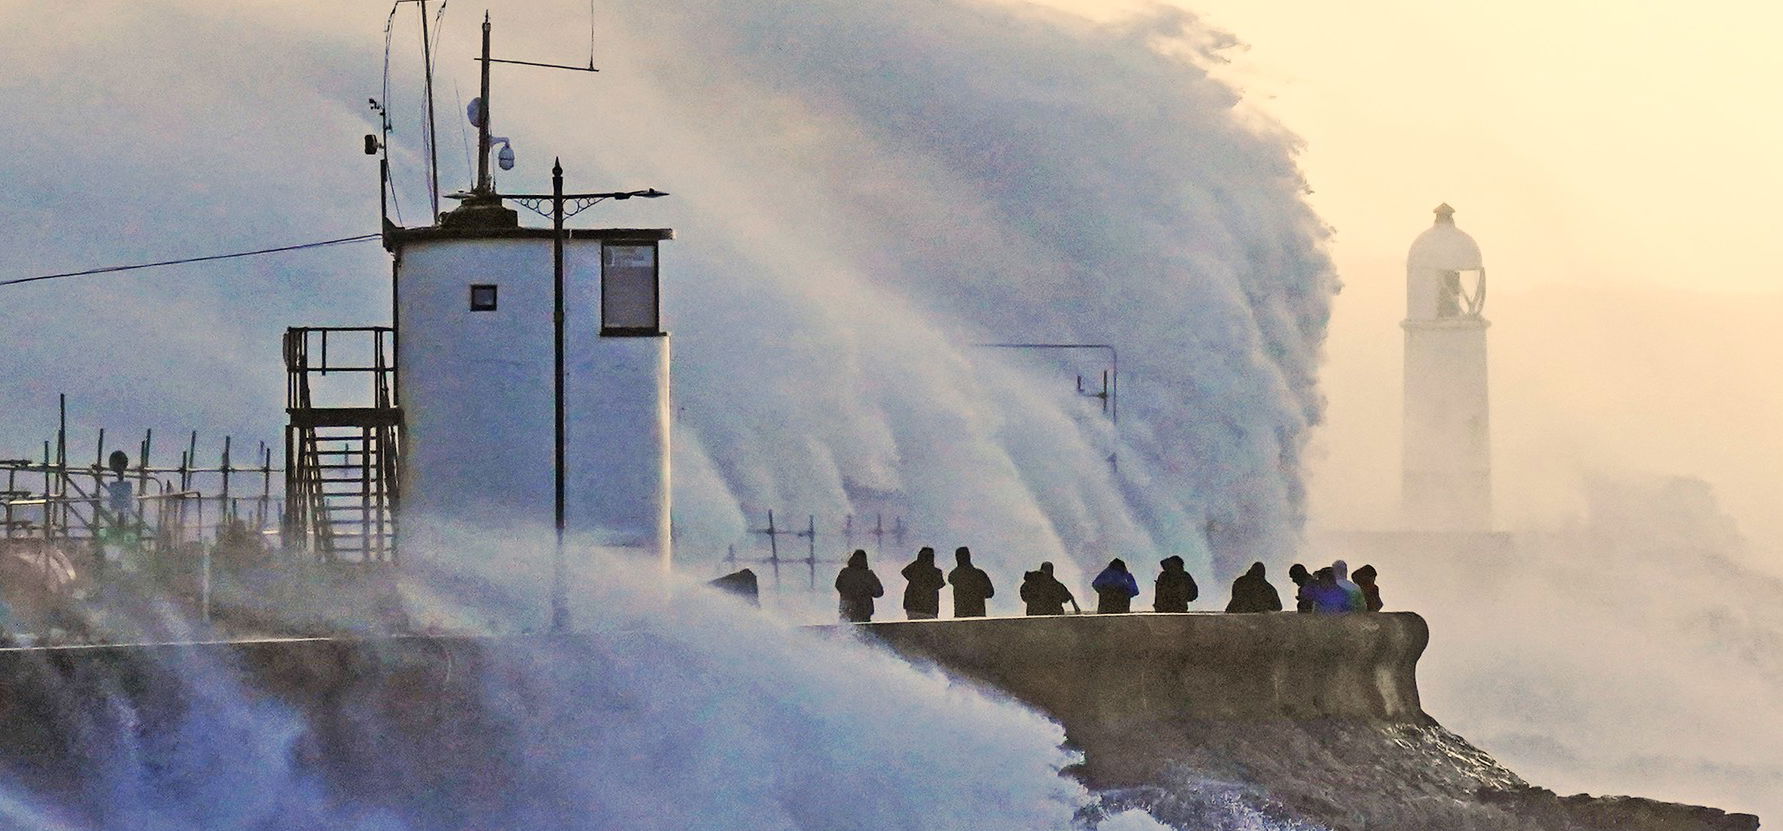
560	612
62	455
204	586
774	549
433	142
484	186
225	507
48	520
384	189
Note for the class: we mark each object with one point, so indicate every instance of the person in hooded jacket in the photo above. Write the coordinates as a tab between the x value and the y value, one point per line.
922	592
1354	600
971	586
1371	593
856	586
1302	594
1251	592
1044	594
1327	597
1115	589
1175	588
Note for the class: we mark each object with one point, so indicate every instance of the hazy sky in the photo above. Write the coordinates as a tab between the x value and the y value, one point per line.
1618	164
1616	171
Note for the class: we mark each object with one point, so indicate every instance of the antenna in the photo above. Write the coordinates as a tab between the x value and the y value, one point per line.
430	135
433	143
479	108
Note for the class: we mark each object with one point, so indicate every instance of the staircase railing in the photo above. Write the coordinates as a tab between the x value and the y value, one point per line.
342	461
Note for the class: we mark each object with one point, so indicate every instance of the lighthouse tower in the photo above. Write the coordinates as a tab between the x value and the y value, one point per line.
533	380
1447	479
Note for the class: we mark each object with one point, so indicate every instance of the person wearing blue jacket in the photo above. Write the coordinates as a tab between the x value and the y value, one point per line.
1115	589
1328	598
1354	599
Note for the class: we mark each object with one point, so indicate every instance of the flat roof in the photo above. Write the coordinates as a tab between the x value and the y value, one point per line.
395	237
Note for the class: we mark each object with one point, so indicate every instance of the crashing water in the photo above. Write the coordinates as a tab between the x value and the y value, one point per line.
923	177
672	709
864	192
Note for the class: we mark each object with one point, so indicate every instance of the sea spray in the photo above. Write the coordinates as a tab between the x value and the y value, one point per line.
925	177
667	707
862	193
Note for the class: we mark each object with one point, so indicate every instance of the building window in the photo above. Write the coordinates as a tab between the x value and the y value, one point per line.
483	298
628	290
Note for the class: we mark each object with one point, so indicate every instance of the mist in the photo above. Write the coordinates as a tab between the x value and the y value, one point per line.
862	193
1628	642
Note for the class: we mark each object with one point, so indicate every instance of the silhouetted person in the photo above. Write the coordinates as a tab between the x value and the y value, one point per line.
971	586
1251	592
1353	597
1371	593
1044	594
740	583
1302	578
856	586
1115	589
1174	589
922	592
1328	598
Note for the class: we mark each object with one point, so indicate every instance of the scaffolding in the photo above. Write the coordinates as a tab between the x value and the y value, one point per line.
69	529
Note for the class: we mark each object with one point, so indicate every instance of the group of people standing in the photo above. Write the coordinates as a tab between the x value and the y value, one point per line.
857	586
1327	590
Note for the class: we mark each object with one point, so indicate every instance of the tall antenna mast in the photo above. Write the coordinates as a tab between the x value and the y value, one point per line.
433	143
484	186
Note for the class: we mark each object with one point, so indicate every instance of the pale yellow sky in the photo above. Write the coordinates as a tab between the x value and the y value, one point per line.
1586	140
1618	163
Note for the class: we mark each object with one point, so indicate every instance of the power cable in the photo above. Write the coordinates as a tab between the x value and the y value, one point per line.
115	268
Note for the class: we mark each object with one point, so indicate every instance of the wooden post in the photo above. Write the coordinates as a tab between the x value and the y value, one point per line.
810	536
774	548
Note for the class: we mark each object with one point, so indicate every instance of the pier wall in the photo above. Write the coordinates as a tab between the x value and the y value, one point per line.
1127	688
1306	716
1131	689
1158	667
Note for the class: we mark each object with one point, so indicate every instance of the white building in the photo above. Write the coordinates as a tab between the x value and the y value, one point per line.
1447	462
477	383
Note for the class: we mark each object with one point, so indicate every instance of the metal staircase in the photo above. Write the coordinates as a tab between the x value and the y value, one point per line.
342	462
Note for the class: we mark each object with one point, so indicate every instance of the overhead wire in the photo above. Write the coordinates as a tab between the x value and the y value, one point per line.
428	139
185	260
384	102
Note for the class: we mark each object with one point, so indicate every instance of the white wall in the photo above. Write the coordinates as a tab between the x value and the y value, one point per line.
1447	429
477	393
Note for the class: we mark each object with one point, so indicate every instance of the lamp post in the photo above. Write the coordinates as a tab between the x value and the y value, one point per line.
558	213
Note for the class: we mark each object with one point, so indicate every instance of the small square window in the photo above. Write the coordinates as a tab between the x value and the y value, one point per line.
483	298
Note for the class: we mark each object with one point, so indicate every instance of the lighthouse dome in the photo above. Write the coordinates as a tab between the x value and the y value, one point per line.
1444	247
1434	267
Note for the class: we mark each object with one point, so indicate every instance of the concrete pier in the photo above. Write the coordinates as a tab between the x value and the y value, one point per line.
1152	667
1128	688
1319	715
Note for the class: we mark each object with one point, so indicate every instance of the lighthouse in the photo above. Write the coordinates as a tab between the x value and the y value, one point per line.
1447	461
532	374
